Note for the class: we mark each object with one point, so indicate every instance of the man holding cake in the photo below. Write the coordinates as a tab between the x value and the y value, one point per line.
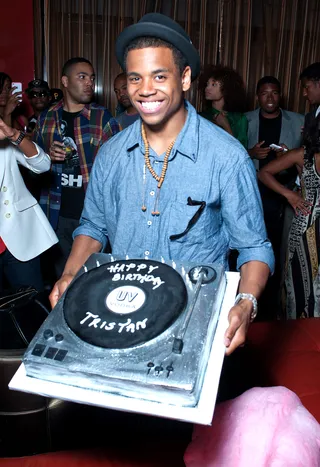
173	185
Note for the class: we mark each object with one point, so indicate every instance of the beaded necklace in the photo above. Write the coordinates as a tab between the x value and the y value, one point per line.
159	179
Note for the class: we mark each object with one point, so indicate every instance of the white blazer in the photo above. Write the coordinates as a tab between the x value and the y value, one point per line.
24	227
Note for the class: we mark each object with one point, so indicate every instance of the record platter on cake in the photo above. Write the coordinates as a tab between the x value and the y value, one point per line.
134	328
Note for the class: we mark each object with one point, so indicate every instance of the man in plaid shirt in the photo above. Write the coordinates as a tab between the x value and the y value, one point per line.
71	132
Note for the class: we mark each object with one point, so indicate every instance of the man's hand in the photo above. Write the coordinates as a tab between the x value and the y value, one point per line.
239	320
7	132
59	287
257	152
57	152
254	276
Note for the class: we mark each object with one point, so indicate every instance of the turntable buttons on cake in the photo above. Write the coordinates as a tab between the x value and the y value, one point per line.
147	253
51	352
152	193
60	355
38	350
149	222
48	334
158	369
59	337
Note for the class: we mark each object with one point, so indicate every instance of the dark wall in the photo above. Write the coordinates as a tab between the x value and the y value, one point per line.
16	40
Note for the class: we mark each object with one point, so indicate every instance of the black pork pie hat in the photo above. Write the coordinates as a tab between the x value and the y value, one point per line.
162	27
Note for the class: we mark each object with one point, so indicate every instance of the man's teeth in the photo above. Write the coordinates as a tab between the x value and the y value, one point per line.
150	105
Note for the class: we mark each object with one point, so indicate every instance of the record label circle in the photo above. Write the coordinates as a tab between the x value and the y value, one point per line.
161	299
125	299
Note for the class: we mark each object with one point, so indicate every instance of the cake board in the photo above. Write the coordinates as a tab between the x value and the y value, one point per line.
202	413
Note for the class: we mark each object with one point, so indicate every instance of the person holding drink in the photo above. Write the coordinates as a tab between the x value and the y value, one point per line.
71	132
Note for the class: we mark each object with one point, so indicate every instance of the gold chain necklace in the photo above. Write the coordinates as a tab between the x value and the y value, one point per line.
159	179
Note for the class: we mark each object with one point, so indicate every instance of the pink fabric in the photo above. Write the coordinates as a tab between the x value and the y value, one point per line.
264	427
2	246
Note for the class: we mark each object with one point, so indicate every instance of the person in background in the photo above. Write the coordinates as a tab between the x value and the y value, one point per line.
225	100
71	132
270	124
129	115
39	97
310	81
9	102
302	278
24	230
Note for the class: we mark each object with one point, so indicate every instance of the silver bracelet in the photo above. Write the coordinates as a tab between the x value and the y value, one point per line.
252	298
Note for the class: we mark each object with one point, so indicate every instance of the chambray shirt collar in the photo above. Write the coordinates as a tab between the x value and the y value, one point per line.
187	142
85	112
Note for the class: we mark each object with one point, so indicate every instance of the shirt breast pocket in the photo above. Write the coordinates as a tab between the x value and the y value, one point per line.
191	225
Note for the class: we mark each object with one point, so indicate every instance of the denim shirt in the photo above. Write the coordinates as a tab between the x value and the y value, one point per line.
207	165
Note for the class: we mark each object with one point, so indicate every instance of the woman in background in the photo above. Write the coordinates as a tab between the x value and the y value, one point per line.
225	98
301	297
25	231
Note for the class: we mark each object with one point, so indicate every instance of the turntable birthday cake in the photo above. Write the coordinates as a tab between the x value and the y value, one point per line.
133	327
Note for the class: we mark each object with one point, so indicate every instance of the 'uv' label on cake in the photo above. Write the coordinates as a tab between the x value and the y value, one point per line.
125	299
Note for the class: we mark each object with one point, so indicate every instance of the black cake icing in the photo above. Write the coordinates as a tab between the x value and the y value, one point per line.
85	300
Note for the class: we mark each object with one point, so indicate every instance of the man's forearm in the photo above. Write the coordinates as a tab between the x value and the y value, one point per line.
254	276
83	246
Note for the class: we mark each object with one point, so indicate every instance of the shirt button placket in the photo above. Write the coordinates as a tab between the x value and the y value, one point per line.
152	193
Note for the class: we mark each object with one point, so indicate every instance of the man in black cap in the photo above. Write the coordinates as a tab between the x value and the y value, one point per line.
38	93
172	184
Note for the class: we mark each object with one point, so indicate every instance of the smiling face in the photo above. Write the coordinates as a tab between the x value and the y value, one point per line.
5	92
79	84
311	90
269	99
156	87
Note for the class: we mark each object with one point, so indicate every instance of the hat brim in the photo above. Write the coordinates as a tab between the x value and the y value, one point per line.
161	32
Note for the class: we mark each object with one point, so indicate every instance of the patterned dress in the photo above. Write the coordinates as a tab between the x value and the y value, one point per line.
301	297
